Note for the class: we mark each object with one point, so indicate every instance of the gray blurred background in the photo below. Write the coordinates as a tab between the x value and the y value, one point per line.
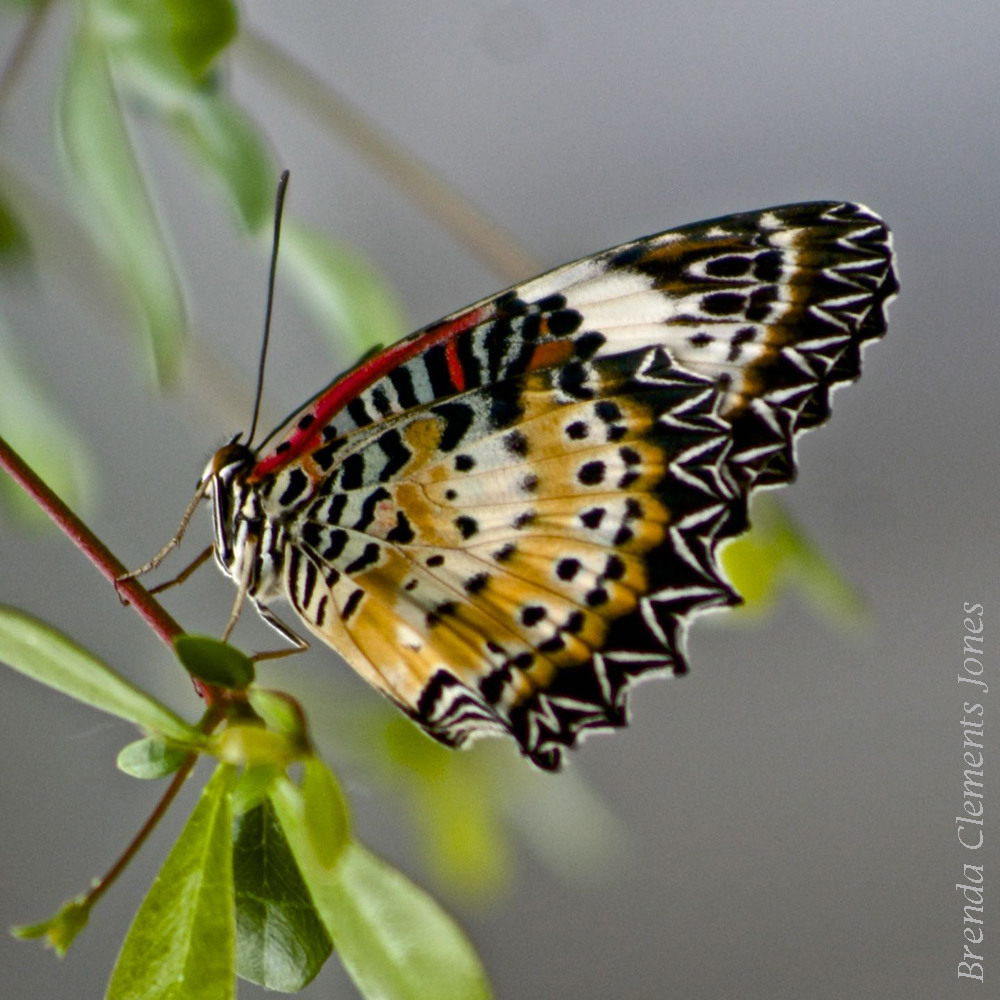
786	811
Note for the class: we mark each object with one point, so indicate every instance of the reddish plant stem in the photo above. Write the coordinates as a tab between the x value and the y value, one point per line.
89	544
208	723
104	883
158	619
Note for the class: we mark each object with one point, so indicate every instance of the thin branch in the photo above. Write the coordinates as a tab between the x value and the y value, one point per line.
491	243
105	882
22	48
88	543
207	725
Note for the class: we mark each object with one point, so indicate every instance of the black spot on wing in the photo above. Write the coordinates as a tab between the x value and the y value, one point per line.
516	443
532	615
588	344
458	420
309	584
396	453
323	457
564	322
566	569
471	368
727	267
380	401
358	412
338	539
492	686
368	508
505	404
402	381
466	525
572	380
297	483
591	473
761	300
722	303
767	266
436	363
551	302
368	557
351	605
402	533
352	471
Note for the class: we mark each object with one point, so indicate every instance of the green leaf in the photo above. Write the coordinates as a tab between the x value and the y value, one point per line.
327	820
253	745
753	565
181	943
101	160
199	30
214	661
35	429
280	941
173	42
254	785
279	711
150	758
60	930
161	52
347	294
230	146
46	655
395	941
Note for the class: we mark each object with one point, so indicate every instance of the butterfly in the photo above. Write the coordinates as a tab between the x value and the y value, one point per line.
506	519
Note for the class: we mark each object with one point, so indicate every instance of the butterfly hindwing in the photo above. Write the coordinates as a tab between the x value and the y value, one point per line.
507	518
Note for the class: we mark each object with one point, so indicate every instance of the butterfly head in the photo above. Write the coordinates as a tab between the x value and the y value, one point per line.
234	514
229	461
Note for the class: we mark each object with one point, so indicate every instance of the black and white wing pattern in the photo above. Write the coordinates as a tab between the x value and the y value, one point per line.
507	518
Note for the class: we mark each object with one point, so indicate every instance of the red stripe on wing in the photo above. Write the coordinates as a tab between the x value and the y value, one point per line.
331	402
455	372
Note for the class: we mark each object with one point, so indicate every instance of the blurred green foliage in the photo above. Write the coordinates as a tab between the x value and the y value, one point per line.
266	874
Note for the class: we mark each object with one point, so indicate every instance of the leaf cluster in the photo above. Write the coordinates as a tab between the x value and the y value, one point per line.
267	877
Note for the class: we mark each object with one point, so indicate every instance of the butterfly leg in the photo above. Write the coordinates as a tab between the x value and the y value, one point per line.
234	615
299	645
174	542
199	561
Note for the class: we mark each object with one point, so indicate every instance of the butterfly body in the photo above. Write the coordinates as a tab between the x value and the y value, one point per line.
505	519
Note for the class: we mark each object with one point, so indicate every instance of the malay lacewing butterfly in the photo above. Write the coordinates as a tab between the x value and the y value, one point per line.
506	519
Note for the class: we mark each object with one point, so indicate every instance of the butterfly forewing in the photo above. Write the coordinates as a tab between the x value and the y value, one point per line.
505	519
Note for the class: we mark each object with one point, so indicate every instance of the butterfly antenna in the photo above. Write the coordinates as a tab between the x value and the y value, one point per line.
279	205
